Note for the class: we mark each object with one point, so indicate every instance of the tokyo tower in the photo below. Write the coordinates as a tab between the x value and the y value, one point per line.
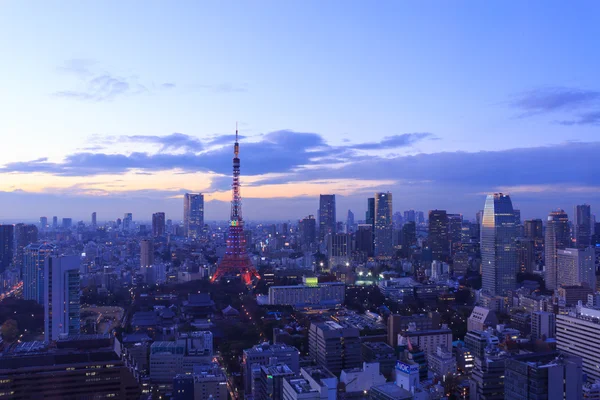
236	260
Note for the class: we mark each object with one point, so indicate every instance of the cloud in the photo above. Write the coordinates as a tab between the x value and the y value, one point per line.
395	141
284	163
173	142
95	84
555	99
223	139
103	88
588	118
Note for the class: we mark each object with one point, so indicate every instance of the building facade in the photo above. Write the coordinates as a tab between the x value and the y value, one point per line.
327	216
498	246
61	296
193	215
384	228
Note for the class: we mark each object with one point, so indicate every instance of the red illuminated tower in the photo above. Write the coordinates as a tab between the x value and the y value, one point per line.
236	260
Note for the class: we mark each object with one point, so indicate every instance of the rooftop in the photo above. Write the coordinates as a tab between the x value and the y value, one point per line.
300	385
394	391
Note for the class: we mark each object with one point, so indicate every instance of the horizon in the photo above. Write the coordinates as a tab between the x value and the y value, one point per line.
438	105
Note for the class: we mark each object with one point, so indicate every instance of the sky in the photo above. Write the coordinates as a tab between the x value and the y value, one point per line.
121	107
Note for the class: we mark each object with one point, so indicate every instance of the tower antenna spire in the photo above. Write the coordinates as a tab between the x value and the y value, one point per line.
236	131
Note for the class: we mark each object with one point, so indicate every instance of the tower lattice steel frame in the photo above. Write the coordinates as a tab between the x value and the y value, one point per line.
236	261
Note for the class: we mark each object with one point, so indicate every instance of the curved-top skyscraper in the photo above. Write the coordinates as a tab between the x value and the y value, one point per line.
498	247
236	261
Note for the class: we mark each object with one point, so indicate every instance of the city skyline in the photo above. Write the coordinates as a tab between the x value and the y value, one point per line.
130	119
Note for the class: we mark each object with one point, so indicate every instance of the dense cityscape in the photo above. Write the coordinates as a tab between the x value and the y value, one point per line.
299	200
395	305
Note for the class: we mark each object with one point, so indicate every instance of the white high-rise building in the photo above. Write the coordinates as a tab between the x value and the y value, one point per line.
557	237
498	246
579	335
61	296
576	267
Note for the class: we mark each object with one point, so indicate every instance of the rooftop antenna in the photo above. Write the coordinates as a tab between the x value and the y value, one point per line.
236	131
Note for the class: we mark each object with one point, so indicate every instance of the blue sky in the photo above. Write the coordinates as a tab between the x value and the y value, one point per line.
122	106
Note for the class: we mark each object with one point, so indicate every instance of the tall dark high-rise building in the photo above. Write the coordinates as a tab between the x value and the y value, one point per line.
146	253
455	232
582	225
67	223
526	254
350	222
308	232
364	239
193	214
24	235
534	230
439	241
370	214
384	228
94	221
158	224
43	223
7	233
408	237
327	221
54	222
498	245
236	261
557	237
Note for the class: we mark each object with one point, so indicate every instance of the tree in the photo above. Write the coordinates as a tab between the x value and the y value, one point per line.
9	330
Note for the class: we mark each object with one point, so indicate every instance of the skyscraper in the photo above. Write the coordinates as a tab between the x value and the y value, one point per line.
533	229
94	222
498	246
364	239
576	267
410	216
67	223
61	296
146	253
582	225
384	228
350	222
193	214
127	221
370	214
327	221
236	260
24	235
438	240
557	237
339	246
6	246
158	224
308	232
34	257
455	232
43	223
54	222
